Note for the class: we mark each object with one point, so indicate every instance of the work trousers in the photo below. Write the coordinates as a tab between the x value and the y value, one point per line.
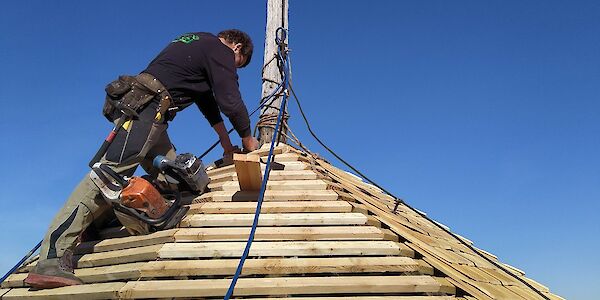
138	143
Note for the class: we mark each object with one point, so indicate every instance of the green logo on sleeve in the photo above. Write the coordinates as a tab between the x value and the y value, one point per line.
186	38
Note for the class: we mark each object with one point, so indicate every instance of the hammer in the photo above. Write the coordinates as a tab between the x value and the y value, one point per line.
128	114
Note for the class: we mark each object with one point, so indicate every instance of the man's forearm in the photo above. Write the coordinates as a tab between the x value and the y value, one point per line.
223	136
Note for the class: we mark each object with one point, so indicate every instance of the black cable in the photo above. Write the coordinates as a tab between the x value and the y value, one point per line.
398	201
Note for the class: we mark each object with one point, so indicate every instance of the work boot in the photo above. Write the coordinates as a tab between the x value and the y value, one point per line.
53	273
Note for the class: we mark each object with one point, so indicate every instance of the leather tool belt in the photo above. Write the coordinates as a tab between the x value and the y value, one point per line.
134	93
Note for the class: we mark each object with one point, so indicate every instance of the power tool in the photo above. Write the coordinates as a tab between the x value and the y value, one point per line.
161	205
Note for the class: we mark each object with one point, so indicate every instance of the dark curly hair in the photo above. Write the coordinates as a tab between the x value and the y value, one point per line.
237	36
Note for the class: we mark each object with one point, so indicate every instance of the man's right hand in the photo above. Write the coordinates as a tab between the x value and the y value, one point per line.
250	143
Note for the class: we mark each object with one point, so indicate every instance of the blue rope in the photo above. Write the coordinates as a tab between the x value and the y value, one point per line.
263	186
20	262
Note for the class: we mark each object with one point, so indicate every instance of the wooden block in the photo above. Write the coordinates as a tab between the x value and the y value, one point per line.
264	150
281	286
373	221
86	291
405	250
287	157
503	277
524	292
285	185
270	207
445	286
248	171
14	280
230	170
359	208
273	176
119	256
477	274
279	266
312	248
3	291
312	233
297	195
219	220
389	235
159	237
424	267
130	271
497	291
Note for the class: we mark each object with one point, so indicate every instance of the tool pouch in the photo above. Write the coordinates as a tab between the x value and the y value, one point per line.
132	92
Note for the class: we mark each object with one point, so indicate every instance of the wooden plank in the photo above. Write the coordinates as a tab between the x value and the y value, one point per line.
270	207
119	256
270	195
3	291
363	298
383	211
218	220
87	291
247	167
445	286
405	250
230	170
274	176
130	271
159	237
264	150
281	266
286	157
389	235
284	185
14	280
477	274
523	292
312	233
498	291
293	248
271	266
281	286
360	208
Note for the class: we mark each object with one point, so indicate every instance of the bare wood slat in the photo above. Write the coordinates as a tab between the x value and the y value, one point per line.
14	280
155	238
279	286
280	233
270	195
273	176
280	266
365	298
295	248
315	184
217	220
270	207
87	291
119	256
230	170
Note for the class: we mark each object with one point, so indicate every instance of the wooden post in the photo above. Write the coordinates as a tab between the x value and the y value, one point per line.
277	16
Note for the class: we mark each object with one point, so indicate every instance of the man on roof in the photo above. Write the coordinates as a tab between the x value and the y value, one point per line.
198	68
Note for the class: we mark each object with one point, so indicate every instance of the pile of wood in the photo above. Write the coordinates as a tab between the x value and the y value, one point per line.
322	233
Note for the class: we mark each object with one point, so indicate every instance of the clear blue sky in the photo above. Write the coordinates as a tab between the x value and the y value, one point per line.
483	115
